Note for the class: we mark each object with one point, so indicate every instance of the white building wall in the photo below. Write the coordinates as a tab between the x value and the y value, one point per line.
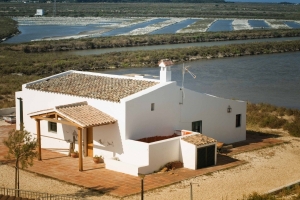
141	122
216	122
36	101
107	141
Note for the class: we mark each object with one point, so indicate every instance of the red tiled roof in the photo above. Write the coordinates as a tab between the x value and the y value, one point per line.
80	113
93	86
85	115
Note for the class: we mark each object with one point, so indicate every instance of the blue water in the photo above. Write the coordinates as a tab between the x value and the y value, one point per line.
131	28
258	24
175	27
292	24
34	32
221	25
271	78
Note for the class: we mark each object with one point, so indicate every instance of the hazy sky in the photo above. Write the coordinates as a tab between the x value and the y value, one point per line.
266	1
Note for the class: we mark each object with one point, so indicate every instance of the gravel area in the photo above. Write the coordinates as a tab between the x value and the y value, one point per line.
266	169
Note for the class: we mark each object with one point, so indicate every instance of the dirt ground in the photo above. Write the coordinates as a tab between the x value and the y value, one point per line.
266	169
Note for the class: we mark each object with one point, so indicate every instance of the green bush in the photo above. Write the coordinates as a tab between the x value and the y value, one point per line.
293	128
256	196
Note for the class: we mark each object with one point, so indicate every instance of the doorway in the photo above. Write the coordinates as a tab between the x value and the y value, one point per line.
89	142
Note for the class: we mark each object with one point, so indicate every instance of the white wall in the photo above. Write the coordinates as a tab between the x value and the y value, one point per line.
142	122
107	141
146	158
169	114
216	122
188	154
162	152
136	152
36	101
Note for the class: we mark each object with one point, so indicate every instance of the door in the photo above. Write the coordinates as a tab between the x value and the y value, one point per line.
206	156
197	126
89	141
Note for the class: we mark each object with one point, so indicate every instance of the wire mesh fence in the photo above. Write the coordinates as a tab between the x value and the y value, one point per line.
30	195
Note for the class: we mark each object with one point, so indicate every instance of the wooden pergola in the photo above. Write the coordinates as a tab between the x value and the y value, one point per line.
80	115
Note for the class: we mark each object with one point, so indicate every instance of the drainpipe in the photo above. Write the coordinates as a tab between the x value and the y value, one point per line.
21	113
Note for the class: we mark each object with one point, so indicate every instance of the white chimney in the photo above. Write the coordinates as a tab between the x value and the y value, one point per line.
165	70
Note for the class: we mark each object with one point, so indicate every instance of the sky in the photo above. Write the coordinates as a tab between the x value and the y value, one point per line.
266	1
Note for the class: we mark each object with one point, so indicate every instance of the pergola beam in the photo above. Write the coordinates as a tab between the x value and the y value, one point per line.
57	121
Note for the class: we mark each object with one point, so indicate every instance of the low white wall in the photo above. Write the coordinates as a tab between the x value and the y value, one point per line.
145	158
135	152
160	153
188	153
120	166
7	111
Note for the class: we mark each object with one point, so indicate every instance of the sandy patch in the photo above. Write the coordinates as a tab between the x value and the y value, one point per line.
241	24
277	24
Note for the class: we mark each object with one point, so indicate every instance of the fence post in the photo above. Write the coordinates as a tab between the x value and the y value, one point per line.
191	191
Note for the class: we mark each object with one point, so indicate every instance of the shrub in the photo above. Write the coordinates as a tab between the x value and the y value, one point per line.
272	121
293	128
256	196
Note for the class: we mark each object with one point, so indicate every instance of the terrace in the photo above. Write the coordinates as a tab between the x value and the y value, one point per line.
96	177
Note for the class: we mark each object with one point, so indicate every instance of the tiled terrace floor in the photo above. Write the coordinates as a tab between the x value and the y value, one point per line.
95	176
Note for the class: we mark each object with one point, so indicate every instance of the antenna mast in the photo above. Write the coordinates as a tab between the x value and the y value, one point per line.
184	69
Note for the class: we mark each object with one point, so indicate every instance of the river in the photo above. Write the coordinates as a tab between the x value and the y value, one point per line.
272	78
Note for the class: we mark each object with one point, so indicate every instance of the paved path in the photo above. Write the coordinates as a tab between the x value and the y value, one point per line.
95	176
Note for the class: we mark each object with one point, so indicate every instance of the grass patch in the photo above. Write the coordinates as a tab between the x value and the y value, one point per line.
269	116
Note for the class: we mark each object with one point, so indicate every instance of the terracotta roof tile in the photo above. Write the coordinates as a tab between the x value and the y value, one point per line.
165	62
93	86
85	115
199	139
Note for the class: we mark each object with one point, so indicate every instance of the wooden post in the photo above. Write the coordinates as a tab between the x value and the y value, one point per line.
38	132
80	148
86	143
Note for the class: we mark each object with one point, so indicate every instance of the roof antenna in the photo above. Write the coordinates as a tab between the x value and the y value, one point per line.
184	69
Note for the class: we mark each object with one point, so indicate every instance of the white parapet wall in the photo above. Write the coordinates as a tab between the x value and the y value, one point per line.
145	158
162	152
119	166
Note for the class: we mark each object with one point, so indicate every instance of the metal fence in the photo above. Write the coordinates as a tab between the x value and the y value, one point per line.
34	195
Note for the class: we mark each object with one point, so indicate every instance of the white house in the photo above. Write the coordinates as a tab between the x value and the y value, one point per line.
39	12
108	114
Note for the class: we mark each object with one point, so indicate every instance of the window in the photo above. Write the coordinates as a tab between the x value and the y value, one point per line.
197	126
52	126
238	120
152	106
